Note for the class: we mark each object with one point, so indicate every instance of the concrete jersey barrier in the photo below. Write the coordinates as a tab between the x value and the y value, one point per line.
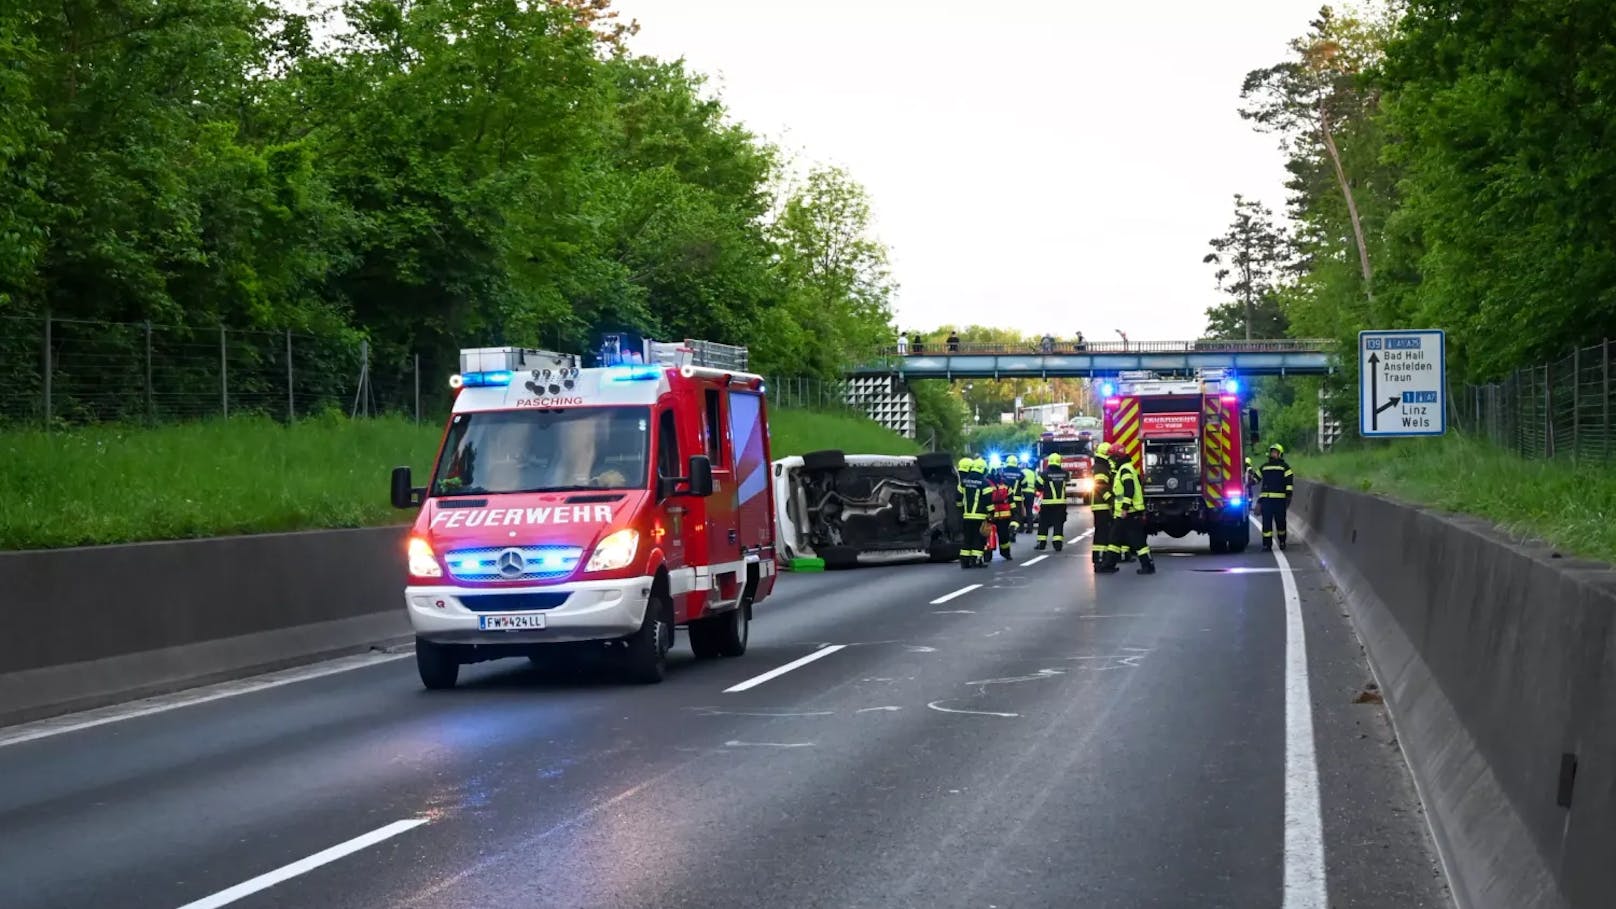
89	626
1498	660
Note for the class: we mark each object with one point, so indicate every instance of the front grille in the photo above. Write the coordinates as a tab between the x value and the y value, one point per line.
538	563
513	602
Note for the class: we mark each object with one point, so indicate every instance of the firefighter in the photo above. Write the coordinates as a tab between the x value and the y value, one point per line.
973	508
1052	517
1278	484
1100	506
1029	493
1129	522
1253	481
1004	517
1010	475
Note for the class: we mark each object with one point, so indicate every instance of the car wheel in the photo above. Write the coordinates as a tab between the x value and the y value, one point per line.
647	657
437	664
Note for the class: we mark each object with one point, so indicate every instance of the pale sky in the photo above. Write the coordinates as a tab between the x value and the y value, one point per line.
1058	169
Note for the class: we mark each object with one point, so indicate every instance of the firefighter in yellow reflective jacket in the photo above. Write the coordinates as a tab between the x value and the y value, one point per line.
1278	484
1100	507
1052	514
1010	477
973	503
1029	492
1129	521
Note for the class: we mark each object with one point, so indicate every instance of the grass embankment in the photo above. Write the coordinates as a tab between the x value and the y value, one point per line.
1571	507
117	484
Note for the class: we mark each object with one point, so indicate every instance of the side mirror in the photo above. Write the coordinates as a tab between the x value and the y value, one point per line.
1251	416
405	495
701	476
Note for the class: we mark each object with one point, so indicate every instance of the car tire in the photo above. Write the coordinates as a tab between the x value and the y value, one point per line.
437	664
838	557
646	660
936	464
829	459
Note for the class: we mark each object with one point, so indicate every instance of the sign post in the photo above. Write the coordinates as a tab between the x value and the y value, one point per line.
1402	383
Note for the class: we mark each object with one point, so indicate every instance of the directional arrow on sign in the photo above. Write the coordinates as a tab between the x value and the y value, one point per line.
1374	392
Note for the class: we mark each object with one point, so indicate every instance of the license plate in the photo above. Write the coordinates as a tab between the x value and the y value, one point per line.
520	621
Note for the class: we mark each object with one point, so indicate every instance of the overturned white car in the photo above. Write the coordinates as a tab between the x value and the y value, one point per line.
851	509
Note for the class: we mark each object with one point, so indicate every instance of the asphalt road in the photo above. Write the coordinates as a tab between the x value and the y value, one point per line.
1047	739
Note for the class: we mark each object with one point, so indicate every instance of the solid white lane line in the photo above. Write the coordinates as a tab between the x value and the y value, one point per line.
301	866
958	593
73	722
1305	884
778	671
1034	560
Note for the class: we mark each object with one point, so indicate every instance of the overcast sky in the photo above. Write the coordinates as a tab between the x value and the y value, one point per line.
1059	169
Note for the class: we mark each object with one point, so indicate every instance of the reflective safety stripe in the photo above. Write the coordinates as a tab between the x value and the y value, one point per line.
1272	495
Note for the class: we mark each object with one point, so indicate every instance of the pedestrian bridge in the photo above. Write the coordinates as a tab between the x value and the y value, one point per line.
1065	359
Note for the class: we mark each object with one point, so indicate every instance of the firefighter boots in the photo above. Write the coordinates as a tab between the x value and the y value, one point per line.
1147	565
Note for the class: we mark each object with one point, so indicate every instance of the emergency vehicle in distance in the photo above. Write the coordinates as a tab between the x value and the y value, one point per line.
1184	437
592	507
1074	442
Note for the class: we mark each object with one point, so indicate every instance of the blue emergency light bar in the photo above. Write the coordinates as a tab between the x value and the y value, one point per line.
1232	386
1107	389
994	461
634	373
1026	456
491	379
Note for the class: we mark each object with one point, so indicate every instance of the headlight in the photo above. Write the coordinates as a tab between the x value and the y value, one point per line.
423	564
614	552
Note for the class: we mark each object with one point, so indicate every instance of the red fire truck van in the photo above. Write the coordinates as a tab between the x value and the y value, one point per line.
1184	437
600	506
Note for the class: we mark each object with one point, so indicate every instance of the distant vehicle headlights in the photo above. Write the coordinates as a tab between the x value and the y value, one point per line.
614	552
1085	485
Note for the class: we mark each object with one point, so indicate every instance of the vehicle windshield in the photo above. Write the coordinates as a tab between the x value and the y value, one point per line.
1067	448
507	451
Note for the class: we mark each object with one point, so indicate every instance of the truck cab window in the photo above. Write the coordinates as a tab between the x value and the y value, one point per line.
667	446
715	429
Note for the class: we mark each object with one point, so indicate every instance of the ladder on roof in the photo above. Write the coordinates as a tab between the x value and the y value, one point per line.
691	352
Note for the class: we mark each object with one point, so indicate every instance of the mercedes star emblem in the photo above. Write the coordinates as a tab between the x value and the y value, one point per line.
511	564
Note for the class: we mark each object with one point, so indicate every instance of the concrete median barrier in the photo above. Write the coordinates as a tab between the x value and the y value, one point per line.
90	626
1498	660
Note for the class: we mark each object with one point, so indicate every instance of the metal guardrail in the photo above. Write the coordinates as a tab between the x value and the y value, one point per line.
966	348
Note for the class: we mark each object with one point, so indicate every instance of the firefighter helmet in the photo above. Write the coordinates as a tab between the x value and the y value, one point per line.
1103	449
1011	461
1277	447
964	464
1054	459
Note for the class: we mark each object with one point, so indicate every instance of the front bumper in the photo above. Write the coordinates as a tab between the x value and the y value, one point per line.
591	611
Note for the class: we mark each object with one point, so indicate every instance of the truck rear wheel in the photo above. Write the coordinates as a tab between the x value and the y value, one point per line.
647	649
1218	544
1240	537
722	635
438	665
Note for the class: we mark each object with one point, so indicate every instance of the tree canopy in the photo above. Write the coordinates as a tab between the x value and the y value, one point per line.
432	173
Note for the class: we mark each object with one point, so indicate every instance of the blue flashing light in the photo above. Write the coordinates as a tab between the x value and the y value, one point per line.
1107	389
1025	456
634	373
1232	386
995	461
1235	501
485	379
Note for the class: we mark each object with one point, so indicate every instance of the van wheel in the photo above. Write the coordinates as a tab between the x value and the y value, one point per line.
437	664
828	459
647	656
722	635
839	557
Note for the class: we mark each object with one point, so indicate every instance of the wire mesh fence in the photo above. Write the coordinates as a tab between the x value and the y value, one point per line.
56	371
61	372
1555	410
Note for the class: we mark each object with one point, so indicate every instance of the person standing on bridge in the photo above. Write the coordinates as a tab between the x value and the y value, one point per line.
1100	502
1278	485
1052	516
973	504
1129	523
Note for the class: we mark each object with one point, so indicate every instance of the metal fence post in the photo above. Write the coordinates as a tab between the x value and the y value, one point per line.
1576	401
417	388
224	376
1548	410
151	408
1604	448
291	403
47	369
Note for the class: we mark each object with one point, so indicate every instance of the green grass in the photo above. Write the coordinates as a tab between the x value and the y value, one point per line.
1572	507
795	432
118	484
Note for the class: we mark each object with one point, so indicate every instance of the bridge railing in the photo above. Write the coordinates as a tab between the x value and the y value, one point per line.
934	348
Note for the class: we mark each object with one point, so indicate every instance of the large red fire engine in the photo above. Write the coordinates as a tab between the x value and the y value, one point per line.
1074	442
1184	436
592	506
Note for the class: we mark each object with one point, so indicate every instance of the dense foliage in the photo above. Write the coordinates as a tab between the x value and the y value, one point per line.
430	173
1452	165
